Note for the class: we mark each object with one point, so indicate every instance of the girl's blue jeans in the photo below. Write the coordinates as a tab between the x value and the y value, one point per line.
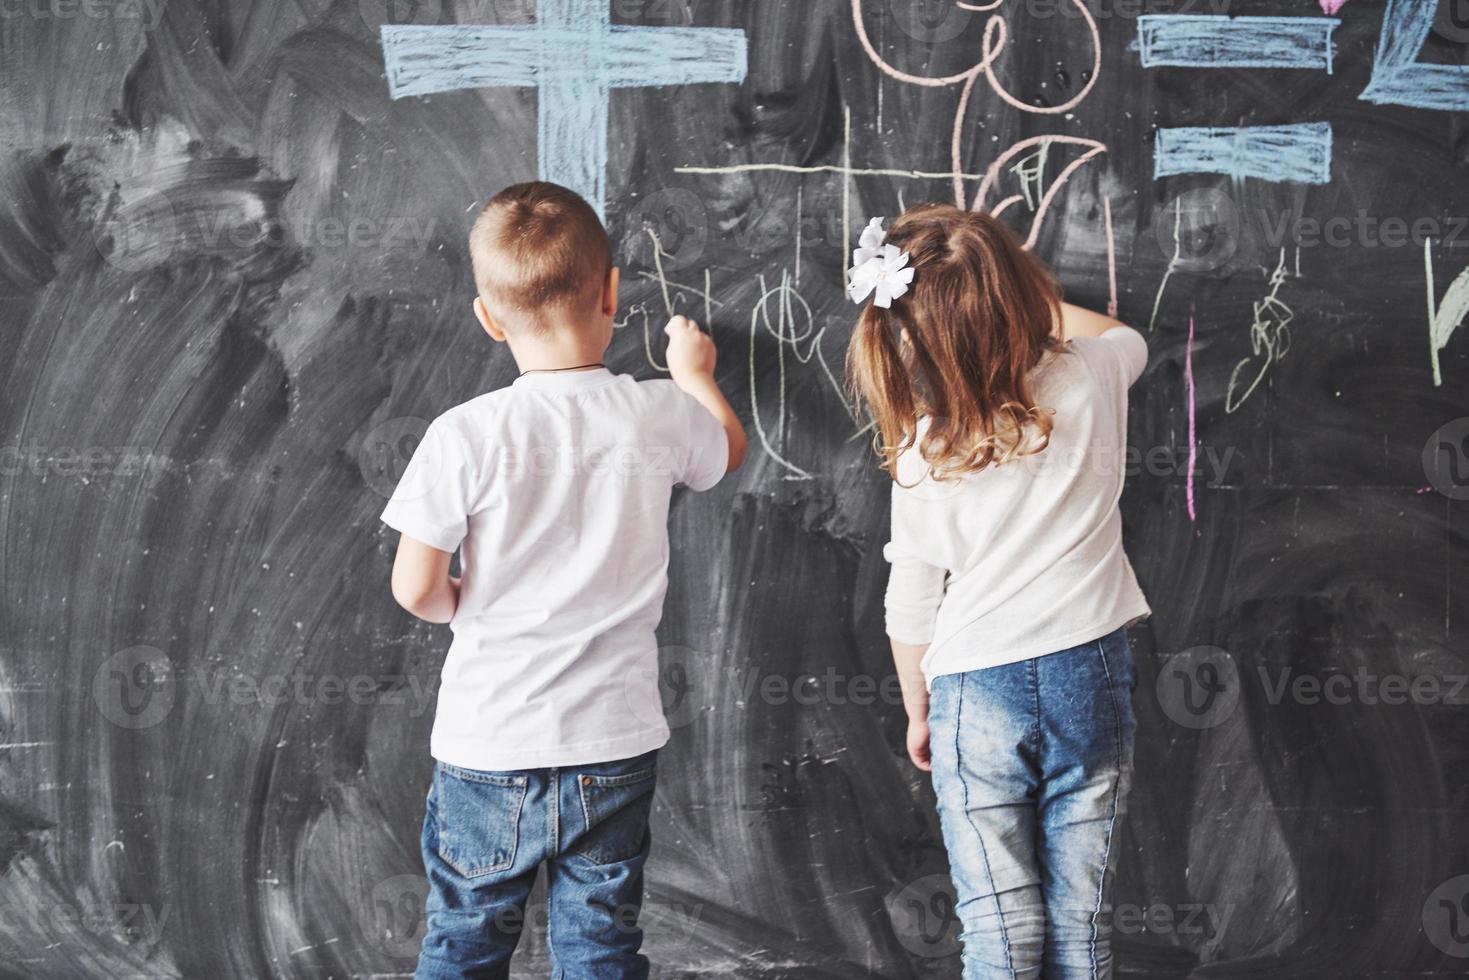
1031	766
486	835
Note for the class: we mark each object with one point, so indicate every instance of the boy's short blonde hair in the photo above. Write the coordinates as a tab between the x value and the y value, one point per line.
539	248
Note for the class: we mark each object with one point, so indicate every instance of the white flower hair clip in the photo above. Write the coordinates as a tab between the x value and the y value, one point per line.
878	270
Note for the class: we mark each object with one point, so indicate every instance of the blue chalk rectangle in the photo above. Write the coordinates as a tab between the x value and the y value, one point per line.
1299	152
424	60
1201	41
643	56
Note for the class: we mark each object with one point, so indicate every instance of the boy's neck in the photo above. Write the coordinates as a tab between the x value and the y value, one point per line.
552	356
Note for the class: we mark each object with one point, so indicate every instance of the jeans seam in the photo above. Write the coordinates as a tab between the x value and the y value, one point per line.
553	824
1033	669
1111	817
616	781
586	811
553	831
486	778
983	851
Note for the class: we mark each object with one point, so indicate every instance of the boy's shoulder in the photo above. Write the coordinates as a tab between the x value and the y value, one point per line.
657	394
474	414
665	402
661	390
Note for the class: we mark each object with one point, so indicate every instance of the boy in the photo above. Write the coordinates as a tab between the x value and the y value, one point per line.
555	490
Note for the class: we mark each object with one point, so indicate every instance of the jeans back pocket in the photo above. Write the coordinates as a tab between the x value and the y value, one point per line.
478	818
616	809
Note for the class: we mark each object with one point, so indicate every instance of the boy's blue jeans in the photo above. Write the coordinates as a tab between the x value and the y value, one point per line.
1031	766
485	835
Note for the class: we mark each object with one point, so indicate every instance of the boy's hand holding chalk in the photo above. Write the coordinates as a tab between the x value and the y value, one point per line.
691	359
691	353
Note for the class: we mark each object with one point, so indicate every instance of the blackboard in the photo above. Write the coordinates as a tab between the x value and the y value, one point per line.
235	286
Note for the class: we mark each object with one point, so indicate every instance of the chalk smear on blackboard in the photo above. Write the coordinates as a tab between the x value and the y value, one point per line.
1443	317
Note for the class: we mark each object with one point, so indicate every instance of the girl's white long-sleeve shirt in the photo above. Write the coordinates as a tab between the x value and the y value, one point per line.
1024	558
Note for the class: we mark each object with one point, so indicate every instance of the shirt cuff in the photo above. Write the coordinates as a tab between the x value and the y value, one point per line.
915	592
443	538
900	632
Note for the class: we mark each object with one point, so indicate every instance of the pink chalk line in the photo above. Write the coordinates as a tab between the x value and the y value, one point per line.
1330	7
1193	444
1111	258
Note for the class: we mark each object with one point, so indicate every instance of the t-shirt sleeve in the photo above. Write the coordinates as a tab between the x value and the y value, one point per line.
431	502
1123	349
915	586
706	447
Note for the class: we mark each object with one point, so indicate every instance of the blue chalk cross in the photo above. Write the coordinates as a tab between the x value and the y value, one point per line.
574	56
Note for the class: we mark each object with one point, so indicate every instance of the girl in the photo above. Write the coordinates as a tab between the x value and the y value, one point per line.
1001	414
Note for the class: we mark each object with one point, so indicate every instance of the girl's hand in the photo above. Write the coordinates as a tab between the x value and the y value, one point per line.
908	658
918	744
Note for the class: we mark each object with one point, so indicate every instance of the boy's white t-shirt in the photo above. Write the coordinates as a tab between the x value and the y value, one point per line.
556	490
1024	558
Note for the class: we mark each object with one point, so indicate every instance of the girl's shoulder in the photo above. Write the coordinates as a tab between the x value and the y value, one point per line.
1119	355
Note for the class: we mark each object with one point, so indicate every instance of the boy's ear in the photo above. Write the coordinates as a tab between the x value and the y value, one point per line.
482	313
609	291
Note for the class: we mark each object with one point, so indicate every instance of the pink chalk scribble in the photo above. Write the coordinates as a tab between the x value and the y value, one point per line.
996	34
1330	7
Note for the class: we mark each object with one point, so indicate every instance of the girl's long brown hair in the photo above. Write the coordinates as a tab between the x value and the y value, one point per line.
959	347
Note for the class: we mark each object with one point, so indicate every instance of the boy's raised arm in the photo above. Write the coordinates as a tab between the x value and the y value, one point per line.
691	358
